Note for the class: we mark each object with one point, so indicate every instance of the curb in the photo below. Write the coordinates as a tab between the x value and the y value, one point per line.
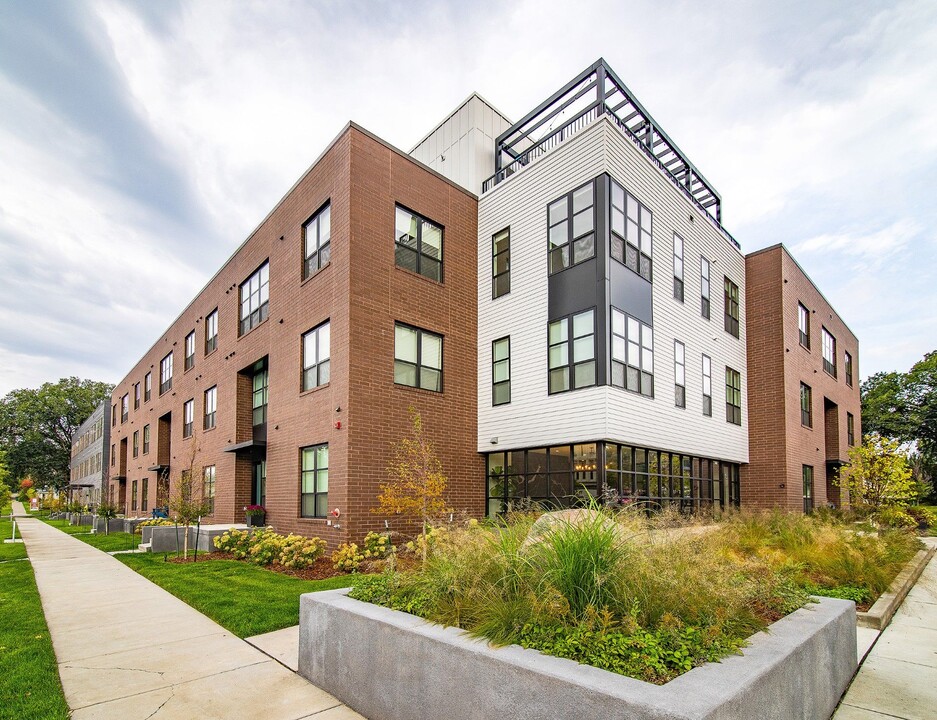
880	614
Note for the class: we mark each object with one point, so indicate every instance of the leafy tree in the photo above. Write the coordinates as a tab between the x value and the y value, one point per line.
417	484
186	501
36	427
6	477
884	406
878	475
920	396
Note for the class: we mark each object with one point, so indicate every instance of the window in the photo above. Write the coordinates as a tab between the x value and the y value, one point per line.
147	387
189	361
114	415
136	443
113	455
571	222
316	353
850	429
803	325
314	484
631	232
133	496
501	371
733	396
211	407
208	488
144	500
678	267
576	369
417	358
806	405
679	373
501	263
704	287
255	298
136	396
829	352
632	354
707	386
165	374
732	308
317	241
188	418
847	364
418	244
259	396
146	439
211	331
808	489
124	408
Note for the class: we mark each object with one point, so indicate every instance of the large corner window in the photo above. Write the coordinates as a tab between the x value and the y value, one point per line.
315	481
501	371
704	287
417	358
732	308
255	298
211	408
707	370
847	368
571	228
189	362
208	488
829	352
733	396
316	356
678	267
806	405
259	392
418	244
803	325
165	374
211	331
317	241
632	225
572	352
632	354
501	263
188	418
679	373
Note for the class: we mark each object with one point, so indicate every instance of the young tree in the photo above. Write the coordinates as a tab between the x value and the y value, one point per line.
417	484
186	500
878	475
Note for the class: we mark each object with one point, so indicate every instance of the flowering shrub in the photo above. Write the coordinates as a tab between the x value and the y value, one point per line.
154	522
347	557
300	552
236	542
377	546
434	536
264	547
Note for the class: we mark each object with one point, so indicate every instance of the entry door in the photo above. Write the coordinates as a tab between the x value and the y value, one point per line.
259	486
808	489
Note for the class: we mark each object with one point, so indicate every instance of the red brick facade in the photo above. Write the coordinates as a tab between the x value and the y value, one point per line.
360	412
780	445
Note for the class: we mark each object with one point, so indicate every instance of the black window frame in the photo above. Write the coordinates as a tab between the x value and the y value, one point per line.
829	364
808	488
417	247
188	418
144	492
847	367
165	374
803	325
626	245
321	254
420	366
706	372
136	396
571	240
679	373
497	362
732	301
571	364
135	443
147	387
209	476
210	417
255	315
806	405
314	472
850	429
189	357
733	394
146	439
678	267
637	378
211	332
705	272
501	281
319	371
260	396
133	496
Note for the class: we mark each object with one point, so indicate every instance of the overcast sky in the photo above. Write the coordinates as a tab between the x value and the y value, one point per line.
140	142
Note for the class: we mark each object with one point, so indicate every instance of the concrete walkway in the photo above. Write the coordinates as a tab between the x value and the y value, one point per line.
129	650
899	676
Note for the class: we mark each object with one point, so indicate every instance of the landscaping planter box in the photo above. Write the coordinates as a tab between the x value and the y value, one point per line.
389	665
162	538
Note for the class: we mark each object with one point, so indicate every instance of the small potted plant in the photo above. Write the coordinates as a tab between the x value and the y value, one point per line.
256	515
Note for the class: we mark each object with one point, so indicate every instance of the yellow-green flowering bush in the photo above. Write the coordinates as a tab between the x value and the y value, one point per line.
377	546
434	536
300	552
347	557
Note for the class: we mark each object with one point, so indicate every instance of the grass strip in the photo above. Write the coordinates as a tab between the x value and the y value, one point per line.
30	688
108	543
243	598
9	551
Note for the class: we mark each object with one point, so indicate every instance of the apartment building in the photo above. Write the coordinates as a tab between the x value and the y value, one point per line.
803	388
88	465
557	297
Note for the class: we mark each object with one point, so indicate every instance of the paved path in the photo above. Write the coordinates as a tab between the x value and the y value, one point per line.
129	650
899	676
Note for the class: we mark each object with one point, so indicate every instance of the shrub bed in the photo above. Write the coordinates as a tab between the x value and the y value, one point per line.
266	547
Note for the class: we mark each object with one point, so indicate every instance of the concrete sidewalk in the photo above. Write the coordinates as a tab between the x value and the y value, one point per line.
129	650
899	676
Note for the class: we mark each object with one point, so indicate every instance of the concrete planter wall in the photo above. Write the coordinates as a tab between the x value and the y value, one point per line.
163	538
389	665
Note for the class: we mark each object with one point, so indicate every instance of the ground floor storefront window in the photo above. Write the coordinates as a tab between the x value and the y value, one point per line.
612	473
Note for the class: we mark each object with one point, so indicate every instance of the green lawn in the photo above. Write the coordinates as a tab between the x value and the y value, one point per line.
29	679
108	543
245	599
9	551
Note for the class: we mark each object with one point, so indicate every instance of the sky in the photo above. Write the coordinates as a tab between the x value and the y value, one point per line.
141	142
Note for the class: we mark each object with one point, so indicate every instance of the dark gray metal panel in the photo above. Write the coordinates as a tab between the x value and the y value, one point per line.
630	293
